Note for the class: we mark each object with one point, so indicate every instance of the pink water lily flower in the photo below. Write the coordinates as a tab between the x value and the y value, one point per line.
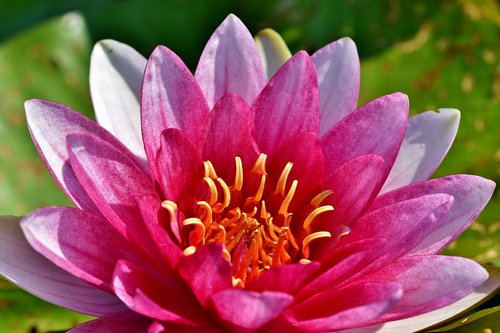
238	200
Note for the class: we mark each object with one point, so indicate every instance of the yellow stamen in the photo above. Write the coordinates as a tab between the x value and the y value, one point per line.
213	191
280	186
171	207
304	261
227	196
310	238
317	200
289	196
189	250
208	212
209	170
226	255
238	177
260	165
309	219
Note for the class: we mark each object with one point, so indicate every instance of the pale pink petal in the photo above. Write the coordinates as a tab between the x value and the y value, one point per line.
127	322
429	282
286	278
337	67
116	72
49	124
376	128
181	167
230	62
85	245
171	98
426	142
115	184
23	266
288	105
338	309
471	194
420	322
206	271
243	310
156	296
230	134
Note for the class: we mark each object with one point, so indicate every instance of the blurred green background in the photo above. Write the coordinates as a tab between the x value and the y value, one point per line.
440	53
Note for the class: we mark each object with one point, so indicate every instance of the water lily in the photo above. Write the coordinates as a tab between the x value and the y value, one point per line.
250	196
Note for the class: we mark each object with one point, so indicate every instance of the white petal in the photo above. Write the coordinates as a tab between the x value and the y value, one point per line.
427	140
116	72
337	67
273	51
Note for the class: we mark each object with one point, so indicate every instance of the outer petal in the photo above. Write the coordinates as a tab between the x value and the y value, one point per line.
292	94
245	310
116	72
348	307
273	51
230	62
73	240
49	124
404	225
158	296
25	267
441	281
229	134
115	184
206	271
124	322
337	67
417	323
171	98
376	128
427	140
471	194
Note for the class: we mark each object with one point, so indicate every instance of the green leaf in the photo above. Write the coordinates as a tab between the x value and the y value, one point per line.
50	62
481	322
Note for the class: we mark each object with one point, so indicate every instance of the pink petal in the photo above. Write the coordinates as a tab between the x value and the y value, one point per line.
288	105
23	266
404	225
49	124
345	308
161	297
286	278
181	167
428	319
124	322
206	271
441	281
304	151
115	84
171	98
471	194
158	327
230	62
244	310
73	240
427	140
115	183
230	131
337	67
376	128
355	184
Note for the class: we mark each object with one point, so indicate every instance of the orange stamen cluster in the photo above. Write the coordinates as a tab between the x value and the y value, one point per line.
254	239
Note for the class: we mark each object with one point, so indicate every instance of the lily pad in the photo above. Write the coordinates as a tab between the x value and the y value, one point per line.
50	62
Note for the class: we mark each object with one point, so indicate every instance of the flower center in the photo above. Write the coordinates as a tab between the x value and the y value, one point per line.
253	222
